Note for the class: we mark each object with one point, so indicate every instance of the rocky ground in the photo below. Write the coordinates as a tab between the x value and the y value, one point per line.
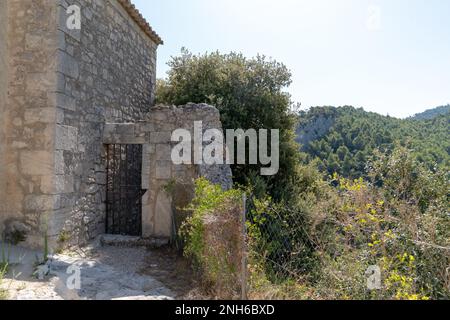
106	273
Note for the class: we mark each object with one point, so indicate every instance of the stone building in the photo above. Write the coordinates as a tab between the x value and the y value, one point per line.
82	151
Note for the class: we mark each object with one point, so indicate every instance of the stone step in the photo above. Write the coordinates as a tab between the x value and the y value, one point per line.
130	241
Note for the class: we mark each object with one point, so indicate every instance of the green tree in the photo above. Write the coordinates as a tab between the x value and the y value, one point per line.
249	94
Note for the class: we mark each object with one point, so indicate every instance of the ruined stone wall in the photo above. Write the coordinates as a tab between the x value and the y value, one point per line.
169	186
28	119
106	72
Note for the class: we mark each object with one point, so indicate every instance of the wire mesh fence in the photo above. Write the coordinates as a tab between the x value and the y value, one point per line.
281	243
276	240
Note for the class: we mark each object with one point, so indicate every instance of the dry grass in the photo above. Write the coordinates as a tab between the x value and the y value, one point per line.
223	252
3	291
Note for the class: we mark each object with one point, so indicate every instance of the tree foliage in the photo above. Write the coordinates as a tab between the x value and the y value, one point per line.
249	94
345	139
432	113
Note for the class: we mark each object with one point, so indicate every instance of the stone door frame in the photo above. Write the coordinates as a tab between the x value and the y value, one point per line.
154	133
156	172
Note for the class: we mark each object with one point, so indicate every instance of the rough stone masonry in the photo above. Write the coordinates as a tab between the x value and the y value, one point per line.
64	95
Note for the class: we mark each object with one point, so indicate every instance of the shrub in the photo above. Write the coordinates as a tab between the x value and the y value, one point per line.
372	230
213	238
3	292
324	244
4	265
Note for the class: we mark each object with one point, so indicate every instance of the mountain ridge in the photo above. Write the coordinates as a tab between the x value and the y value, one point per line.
432	113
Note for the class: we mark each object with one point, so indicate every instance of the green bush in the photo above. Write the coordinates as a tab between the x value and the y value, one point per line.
325	243
213	238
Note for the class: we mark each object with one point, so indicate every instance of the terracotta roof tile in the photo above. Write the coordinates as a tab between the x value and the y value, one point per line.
140	20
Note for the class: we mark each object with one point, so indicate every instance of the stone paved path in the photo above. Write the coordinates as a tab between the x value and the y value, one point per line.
106	273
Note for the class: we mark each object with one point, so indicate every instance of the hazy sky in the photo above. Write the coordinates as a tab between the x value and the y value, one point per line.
388	56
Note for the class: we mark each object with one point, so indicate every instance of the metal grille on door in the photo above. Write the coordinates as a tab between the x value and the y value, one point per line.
124	190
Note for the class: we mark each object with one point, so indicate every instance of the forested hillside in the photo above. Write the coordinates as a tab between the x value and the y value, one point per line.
432	113
344	139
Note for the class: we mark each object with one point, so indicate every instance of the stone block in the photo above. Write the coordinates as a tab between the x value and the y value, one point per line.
67	65
64	184
60	116
163	170
145	183
61	40
160	137
164	152
65	102
122	133
109	130
163	215
34	41
37	84
41	202
36	162
66	138
145	127
149	149
126	129
42	115
47	185
60	165
162	115
19	145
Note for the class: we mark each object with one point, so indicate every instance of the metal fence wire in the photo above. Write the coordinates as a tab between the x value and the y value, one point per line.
277	241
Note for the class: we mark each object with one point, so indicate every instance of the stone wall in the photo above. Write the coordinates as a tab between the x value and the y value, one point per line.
63	86
60	90
106	72
169	186
28	118
3	95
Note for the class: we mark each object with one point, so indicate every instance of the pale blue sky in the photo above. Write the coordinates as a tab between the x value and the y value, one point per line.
388	56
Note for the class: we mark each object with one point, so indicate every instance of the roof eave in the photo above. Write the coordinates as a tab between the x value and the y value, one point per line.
140	20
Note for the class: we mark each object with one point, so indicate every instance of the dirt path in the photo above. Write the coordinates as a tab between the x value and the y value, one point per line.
106	273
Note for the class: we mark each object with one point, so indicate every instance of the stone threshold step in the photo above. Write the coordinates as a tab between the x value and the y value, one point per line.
130	241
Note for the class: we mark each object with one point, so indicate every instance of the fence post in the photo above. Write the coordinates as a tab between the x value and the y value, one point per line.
244	250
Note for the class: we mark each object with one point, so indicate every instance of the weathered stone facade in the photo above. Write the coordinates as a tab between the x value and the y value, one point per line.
59	88
28	117
159	171
106	73
3	94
